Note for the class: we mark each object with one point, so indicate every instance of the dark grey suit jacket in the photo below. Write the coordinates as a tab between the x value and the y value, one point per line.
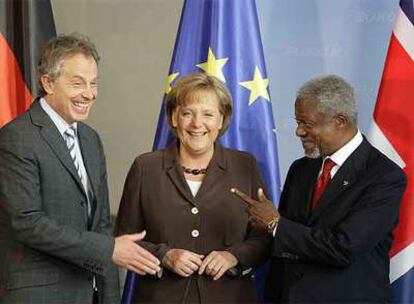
157	198
47	253
339	251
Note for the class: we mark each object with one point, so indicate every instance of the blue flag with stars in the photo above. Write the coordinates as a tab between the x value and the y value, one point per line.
222	38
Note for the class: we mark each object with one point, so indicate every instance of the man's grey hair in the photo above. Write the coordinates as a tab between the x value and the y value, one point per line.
331	93
59	48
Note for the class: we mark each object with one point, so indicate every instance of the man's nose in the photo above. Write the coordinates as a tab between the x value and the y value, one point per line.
300	131
89	92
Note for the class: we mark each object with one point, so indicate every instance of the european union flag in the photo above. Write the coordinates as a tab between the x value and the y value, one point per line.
222	38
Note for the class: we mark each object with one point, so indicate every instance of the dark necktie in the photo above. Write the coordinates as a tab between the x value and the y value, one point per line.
323	181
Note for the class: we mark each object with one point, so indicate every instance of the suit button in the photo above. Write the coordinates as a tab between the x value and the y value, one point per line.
295	257
194	210
298	275
195	233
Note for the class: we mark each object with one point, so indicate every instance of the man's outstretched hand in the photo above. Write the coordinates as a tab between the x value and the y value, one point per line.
127	253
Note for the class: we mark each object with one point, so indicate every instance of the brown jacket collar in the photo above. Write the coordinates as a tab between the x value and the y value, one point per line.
171	157
215	173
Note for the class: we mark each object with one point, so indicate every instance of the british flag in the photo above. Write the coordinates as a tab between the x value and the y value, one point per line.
393	134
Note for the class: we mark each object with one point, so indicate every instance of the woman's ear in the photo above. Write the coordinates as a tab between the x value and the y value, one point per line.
174	118
221	121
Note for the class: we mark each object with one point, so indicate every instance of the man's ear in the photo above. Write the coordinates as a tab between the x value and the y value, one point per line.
341	120
48	84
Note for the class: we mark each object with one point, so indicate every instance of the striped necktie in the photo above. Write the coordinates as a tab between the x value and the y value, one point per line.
70	136
70	142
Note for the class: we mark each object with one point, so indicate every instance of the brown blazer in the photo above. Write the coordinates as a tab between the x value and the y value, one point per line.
157	198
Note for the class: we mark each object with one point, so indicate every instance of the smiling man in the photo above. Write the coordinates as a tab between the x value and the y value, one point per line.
56	243
339	205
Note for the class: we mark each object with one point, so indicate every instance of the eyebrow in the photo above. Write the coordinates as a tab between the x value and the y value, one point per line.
82	78
305	120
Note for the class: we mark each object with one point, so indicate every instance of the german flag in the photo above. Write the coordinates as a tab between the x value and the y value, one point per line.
25	25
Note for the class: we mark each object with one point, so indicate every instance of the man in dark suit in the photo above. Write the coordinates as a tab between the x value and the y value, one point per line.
339	205
56	244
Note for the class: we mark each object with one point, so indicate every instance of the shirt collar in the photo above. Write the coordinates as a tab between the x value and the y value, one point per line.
340	156
60	123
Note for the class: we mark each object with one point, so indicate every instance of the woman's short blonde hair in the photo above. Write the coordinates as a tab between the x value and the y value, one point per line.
197	82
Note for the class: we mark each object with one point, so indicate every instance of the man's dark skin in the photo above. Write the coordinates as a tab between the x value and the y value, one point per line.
322	133
261	212
338	251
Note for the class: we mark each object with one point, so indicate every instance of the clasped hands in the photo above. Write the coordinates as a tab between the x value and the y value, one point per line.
185	262
262	213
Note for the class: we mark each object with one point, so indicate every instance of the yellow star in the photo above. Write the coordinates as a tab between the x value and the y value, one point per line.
170	79
257	86
213	66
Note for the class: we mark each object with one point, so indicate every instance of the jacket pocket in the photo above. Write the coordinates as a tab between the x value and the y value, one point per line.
33	277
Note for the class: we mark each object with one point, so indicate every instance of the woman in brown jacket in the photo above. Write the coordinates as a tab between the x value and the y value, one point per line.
181	197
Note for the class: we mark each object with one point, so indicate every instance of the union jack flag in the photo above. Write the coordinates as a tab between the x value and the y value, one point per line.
392	133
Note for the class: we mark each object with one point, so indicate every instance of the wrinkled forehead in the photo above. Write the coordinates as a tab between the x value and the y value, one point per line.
310	110
78	63
305	104
306	108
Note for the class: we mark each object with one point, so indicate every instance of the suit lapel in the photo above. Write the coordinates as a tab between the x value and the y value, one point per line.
307	183
89	157
92	166
54	139
345	178
215	173
342	180
174	172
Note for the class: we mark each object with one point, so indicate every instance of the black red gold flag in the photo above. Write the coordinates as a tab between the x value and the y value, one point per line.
25	25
